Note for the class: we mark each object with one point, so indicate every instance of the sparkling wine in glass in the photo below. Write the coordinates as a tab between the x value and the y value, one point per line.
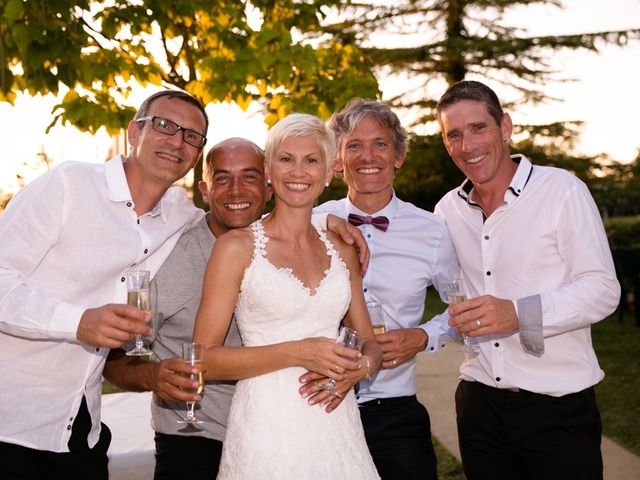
376	315
455	291
193	354
350	339
138	296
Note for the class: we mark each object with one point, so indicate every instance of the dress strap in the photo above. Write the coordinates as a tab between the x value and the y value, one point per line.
259	239
331	251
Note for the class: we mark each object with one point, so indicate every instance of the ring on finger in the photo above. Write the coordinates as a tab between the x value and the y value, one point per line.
395	362
478	323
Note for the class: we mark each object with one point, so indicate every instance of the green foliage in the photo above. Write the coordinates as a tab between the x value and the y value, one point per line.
428	172
453	39
617	189
623	232
617	346
227	50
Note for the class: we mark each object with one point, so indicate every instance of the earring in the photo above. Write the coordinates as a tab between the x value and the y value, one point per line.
268	181
326	184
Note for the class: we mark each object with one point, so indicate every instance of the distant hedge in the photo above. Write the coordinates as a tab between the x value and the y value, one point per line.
623	232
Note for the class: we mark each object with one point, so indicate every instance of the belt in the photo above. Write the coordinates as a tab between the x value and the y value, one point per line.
522	391
387	402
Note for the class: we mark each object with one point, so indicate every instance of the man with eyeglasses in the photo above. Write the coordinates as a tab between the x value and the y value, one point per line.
67	240
236	190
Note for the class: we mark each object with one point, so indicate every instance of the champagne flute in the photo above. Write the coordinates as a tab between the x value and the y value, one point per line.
138	296
376	315
350	339
454	288
193	354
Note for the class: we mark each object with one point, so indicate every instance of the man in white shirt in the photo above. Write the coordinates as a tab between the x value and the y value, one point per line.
67	240
538	272
410	250
236	190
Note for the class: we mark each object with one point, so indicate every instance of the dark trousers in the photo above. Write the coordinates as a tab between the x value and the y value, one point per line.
524	435
81	462
398	433
181	456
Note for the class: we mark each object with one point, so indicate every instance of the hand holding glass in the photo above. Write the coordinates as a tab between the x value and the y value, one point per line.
350	339
138	296
454	289
193	354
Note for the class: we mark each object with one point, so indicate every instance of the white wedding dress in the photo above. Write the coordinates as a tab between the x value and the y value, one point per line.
272	432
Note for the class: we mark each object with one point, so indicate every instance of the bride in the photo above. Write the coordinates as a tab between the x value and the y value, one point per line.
291	286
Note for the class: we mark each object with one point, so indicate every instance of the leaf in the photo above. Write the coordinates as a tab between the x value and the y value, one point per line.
13	10
243	101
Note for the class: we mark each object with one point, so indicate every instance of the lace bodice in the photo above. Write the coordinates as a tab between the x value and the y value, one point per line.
273	433
275	306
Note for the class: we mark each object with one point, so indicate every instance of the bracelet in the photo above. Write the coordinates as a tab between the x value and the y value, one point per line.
368	375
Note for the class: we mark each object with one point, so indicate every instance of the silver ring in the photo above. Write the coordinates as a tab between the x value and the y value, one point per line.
478	323
395	362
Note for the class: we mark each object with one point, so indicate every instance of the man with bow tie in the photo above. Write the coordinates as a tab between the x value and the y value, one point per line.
410	249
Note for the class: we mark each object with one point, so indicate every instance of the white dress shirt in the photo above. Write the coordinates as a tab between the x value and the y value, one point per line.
415	252
546	250
67	240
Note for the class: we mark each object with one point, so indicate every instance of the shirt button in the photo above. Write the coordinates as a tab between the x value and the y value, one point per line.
97	349
496	344
432	348
71	419
146	250
122	279
488	274
129	204
138	220
365	290
486	237
68	427
368	235
497	379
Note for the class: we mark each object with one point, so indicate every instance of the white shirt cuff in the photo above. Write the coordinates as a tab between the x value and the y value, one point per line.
530	321
439	332
65	321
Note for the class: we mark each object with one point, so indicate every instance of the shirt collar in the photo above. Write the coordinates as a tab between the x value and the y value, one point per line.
516	187
388	211
118	188
520	178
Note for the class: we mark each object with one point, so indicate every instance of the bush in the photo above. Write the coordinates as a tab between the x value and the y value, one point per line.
623	232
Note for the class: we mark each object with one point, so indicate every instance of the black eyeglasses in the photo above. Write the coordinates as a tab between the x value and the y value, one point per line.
168	127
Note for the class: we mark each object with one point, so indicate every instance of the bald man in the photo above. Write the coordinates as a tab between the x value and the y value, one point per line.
236	191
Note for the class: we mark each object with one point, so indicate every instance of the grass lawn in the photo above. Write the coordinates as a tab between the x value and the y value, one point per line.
618	348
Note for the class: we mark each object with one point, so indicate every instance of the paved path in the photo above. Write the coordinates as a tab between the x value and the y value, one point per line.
437	376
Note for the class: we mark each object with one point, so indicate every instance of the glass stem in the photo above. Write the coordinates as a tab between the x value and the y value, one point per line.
190	410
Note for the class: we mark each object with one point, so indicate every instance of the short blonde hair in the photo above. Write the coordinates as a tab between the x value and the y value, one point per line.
301	125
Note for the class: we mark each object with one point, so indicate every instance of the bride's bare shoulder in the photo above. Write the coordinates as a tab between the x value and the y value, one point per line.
235	240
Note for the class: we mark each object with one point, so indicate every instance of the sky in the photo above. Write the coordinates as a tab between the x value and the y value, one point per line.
605	97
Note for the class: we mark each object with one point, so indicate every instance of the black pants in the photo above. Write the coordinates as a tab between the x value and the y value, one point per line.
81	462
524	435
180	456
398	433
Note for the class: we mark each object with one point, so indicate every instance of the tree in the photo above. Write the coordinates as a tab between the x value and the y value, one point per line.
227	50
451	40
444	41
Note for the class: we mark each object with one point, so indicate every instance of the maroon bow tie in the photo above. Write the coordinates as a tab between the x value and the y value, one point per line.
381	223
